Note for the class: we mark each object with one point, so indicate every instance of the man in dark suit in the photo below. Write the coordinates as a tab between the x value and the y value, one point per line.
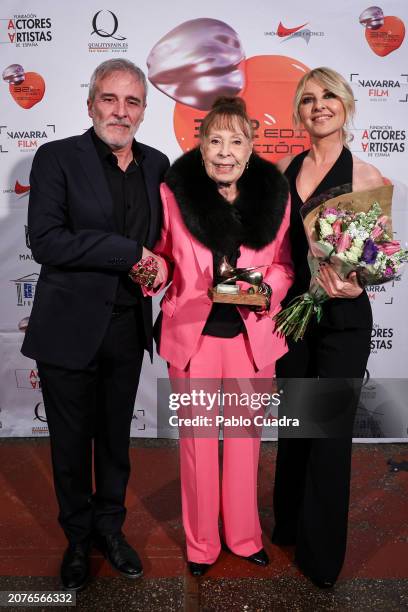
94	212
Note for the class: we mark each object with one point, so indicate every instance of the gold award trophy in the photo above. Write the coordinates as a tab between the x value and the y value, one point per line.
227	292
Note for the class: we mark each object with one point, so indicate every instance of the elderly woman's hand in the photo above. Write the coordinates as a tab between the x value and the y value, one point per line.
336	287
265	290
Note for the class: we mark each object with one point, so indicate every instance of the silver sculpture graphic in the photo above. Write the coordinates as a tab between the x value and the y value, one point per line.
372	18
13	74
198	61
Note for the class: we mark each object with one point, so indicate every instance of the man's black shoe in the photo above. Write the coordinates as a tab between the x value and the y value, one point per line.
75	566
122	557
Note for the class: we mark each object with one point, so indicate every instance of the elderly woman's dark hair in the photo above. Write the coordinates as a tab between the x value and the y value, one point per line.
227	113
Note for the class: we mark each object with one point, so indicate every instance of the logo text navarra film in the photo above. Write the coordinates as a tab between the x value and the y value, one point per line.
27	141
380	89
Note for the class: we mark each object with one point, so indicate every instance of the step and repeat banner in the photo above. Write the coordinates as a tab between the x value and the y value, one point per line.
192	54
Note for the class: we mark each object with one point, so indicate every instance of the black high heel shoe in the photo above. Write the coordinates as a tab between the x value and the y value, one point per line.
198	569
259	558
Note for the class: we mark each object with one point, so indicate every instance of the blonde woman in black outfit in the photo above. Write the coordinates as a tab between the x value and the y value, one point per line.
312	481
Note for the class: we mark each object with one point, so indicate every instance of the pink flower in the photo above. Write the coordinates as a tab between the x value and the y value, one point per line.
344	242
379	227
336	227
376	232
389	248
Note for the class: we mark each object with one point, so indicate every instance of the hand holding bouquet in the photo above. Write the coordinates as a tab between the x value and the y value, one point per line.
353	232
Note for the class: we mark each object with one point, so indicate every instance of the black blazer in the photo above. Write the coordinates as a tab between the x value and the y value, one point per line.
72	234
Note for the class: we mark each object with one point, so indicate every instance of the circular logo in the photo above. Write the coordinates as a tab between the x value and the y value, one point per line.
38	413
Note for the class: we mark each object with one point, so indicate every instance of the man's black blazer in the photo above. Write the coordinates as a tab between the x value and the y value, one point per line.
72	234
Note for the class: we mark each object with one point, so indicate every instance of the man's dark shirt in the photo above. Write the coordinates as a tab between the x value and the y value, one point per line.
131	208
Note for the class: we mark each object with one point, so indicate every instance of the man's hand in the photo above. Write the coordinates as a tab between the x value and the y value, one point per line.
162	268
334	286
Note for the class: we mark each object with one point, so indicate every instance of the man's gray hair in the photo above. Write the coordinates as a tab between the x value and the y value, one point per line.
116	65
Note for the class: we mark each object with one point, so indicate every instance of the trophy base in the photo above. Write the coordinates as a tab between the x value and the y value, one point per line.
242	298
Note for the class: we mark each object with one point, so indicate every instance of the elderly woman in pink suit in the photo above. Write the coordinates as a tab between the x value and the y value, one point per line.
221	199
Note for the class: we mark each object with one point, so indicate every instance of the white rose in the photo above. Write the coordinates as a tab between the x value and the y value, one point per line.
353	254
325	228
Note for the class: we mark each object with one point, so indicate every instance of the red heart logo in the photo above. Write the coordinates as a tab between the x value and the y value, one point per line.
387	38
30	91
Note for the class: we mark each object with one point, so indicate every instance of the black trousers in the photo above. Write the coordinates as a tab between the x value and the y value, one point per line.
312	481
94	407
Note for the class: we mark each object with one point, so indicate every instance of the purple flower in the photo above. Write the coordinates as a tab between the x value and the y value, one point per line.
330	211
389	272
331	239
369	252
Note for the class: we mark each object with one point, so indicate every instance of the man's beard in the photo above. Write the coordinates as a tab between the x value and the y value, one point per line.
115	142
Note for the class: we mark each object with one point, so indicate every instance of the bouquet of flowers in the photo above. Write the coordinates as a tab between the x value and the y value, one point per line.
353	232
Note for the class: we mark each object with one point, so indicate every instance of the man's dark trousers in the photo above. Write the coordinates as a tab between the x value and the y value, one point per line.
96	403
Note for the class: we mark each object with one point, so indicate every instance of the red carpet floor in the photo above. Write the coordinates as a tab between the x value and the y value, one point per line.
31	542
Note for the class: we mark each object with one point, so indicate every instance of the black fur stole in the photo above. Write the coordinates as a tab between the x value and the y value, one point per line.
253	220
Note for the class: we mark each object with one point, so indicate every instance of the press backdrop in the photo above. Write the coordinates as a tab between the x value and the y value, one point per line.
192	53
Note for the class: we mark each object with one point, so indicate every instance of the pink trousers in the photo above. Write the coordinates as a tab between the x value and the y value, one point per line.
214	360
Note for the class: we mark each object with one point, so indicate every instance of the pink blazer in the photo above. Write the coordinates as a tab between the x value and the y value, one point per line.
186	305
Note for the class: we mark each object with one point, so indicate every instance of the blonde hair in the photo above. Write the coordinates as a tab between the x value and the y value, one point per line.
333	82
226	113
